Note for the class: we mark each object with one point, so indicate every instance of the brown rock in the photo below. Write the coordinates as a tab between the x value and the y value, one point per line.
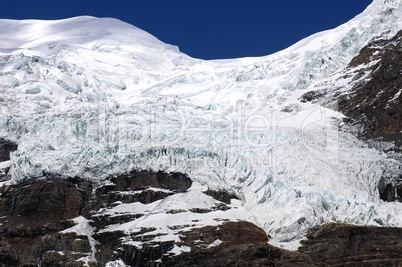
230	233
34	212
243	244
350	245
258	254
221	196
369	102
54	199
30	232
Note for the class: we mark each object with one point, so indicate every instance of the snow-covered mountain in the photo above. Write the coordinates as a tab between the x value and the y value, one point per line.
96	97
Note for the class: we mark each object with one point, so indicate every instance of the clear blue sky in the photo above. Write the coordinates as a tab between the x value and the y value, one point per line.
206	29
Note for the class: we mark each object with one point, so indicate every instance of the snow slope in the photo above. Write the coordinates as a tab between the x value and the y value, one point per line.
95	97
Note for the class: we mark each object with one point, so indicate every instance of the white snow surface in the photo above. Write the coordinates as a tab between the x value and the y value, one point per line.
83	228
96	97
5	164
116	263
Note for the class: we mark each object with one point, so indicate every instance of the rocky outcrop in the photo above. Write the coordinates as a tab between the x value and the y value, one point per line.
53	221
38	216
221	196
32	216
141	182
6	146
376	102
349	245
242	244
391	192
54	199
256	254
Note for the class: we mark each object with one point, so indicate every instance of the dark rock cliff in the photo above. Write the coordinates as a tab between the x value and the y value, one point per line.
349	245
6	147
35	214
376	101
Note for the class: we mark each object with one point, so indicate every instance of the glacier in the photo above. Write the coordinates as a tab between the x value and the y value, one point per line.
97	97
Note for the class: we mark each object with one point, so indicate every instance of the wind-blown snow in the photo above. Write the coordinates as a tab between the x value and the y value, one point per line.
95	97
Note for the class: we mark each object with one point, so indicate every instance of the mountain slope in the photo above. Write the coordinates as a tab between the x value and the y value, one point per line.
95	98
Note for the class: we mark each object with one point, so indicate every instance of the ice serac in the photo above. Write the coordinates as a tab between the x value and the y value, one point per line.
96	97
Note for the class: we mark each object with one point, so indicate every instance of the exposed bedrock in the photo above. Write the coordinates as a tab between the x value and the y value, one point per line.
36	216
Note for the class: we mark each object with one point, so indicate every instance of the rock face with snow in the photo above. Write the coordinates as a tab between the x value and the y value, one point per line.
62	222
280	135
350	245
373	103
376	102
6	146
70	222
51	221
